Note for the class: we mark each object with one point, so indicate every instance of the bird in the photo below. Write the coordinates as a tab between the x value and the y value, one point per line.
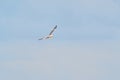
50	34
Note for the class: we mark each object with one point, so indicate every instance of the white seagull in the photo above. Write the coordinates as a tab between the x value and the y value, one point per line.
50	34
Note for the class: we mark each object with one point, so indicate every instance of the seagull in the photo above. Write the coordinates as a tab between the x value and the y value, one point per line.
50	34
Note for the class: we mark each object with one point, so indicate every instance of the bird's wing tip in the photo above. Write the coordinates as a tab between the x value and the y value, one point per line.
40	39
55	26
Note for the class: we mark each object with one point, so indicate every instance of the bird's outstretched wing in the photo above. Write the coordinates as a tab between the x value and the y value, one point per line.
41	39
53	30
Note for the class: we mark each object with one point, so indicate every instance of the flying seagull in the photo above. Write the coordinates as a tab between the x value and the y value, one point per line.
50	34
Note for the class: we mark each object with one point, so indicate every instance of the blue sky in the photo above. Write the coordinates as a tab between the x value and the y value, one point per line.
85	45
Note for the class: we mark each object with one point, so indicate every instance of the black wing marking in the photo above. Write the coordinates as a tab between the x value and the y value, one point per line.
53	30
41	39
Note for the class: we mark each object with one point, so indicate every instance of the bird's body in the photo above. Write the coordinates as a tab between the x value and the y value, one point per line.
50	34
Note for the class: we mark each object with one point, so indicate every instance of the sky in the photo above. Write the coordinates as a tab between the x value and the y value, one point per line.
85	44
